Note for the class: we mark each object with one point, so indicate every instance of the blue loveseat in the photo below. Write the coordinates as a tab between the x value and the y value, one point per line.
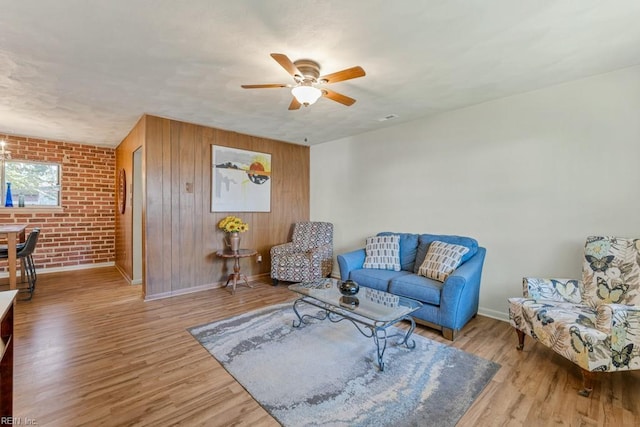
447	306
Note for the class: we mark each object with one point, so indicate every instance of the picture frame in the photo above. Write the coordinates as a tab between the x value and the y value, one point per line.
240	180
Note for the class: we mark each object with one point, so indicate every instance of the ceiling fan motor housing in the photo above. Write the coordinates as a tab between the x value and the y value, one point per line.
310	70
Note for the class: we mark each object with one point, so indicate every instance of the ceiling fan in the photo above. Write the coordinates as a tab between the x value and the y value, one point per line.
306	74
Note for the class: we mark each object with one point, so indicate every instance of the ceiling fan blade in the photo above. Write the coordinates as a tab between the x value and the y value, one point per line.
286	63
338	76
295	105
264	86
338	97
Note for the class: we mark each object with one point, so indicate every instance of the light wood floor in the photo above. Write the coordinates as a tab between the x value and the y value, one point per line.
89	351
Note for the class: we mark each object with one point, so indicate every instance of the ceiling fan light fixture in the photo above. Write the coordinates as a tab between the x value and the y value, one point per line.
306	95
306	74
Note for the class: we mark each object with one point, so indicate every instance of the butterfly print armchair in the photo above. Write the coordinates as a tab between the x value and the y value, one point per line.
593	322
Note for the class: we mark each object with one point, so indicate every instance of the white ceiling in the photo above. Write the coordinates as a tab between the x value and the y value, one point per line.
86	70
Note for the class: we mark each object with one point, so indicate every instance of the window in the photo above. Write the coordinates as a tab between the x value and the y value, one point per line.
37	183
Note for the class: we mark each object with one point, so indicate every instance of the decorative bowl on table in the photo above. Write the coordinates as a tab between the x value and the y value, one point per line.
348	287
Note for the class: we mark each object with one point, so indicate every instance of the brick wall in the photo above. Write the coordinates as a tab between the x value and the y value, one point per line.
83	230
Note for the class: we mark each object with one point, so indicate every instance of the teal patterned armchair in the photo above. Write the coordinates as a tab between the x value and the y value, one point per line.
593	322
307	257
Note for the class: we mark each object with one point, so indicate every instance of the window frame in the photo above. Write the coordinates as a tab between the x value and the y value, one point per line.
14	196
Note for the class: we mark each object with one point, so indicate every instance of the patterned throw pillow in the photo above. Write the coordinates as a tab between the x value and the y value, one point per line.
383	253
441	260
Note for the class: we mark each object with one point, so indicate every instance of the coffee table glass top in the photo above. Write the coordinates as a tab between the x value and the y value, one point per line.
372	304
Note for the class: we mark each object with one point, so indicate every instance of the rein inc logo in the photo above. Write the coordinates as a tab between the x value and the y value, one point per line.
18	421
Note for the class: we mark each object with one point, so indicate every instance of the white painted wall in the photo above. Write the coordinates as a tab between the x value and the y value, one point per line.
529	176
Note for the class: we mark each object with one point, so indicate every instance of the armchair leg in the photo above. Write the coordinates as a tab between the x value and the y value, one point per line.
520	339
449	334
274	282
587	382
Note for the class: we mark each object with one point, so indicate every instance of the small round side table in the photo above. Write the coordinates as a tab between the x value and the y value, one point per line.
236	276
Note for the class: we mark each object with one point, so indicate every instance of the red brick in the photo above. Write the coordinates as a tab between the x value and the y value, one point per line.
84	232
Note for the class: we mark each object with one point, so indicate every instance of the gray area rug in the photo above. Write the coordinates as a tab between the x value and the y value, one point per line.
326	374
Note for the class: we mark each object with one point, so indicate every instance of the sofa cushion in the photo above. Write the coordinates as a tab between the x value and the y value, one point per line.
417	287
375	279
383	252
426	239
421	252
441	260
408	248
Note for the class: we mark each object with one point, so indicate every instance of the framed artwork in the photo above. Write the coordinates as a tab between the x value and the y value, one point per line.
240	180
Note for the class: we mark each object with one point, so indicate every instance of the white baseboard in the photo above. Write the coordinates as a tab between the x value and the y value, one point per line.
494	314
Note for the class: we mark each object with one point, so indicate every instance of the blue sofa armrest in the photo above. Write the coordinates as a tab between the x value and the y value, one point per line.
461	291
350	261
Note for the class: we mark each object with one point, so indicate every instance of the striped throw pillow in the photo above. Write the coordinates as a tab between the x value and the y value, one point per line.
383	253
441	260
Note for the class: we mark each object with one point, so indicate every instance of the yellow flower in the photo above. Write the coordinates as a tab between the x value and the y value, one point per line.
232	224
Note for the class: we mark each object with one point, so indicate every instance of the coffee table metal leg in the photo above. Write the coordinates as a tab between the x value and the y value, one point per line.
377	331
298	323
411	344
380	338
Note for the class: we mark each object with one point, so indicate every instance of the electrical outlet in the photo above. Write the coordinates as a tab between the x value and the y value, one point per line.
259	258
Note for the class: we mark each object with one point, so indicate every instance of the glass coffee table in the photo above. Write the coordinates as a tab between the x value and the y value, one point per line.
370	310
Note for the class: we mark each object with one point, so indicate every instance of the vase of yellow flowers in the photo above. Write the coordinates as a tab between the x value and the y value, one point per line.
233	226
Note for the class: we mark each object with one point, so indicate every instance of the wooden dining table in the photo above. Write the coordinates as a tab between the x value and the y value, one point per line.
15	234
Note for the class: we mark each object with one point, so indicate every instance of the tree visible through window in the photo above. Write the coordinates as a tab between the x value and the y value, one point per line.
38	183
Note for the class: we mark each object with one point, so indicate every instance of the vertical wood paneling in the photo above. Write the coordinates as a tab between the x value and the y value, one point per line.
165	239
174	204
153	201
156	236
187	248
200	198
196	196
185	230
210	267
144	208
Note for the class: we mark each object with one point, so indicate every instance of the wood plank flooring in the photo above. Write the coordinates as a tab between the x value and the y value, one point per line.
89	351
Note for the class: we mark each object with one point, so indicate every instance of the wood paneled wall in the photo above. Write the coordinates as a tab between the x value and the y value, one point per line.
181	234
